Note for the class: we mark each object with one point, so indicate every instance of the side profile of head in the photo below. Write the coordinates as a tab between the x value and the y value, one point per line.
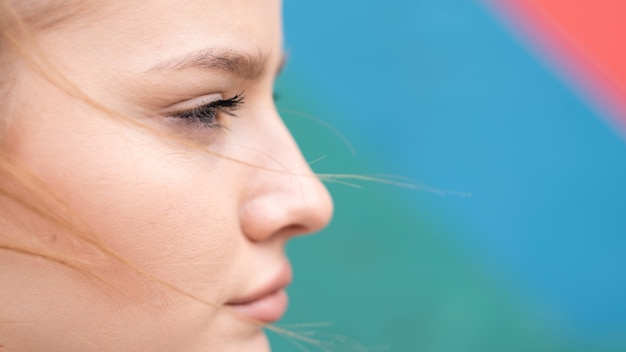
148	185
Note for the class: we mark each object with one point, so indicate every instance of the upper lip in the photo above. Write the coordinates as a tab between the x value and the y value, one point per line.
276	283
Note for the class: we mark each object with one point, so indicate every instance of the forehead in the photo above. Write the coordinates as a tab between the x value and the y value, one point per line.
244	14
44	13
134	35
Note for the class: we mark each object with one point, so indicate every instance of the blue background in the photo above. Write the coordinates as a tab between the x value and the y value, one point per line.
444	94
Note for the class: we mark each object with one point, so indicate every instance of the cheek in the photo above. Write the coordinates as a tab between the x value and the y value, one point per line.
166	210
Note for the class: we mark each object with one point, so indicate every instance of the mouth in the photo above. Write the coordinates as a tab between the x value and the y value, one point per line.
266	304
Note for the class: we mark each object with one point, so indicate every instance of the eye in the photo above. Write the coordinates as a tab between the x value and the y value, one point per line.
206	114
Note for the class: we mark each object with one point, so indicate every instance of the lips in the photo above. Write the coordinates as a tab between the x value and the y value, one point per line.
268	303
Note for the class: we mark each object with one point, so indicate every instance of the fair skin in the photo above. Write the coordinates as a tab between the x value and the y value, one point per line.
213	227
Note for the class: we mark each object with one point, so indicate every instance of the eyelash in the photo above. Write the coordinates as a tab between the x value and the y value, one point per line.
206	115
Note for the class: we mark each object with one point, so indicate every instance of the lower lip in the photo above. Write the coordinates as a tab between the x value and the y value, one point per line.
267	309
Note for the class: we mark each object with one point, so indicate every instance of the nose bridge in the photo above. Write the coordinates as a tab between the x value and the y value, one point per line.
283	195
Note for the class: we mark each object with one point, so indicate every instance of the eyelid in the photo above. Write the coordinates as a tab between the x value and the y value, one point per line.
194	103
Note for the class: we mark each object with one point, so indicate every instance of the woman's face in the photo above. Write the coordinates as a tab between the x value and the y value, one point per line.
213	227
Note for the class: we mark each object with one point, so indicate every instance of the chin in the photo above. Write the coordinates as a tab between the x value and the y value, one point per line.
235	339
257	343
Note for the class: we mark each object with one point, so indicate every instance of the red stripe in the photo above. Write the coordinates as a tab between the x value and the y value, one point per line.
585	38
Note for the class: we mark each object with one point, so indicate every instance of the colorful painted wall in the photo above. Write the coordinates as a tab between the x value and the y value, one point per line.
520	103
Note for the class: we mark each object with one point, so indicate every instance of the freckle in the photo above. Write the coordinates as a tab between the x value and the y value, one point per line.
52	238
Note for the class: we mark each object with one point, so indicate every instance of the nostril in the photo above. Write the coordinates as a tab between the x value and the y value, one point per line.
294	230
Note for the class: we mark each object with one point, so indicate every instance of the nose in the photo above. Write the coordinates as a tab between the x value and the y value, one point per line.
283	196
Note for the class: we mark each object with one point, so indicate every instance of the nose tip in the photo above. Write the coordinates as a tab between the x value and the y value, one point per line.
317	206
297	204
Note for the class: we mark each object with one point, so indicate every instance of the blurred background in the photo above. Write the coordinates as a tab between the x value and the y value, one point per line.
508	117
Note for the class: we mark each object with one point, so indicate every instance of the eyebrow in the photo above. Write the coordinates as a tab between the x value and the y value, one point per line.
249	65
